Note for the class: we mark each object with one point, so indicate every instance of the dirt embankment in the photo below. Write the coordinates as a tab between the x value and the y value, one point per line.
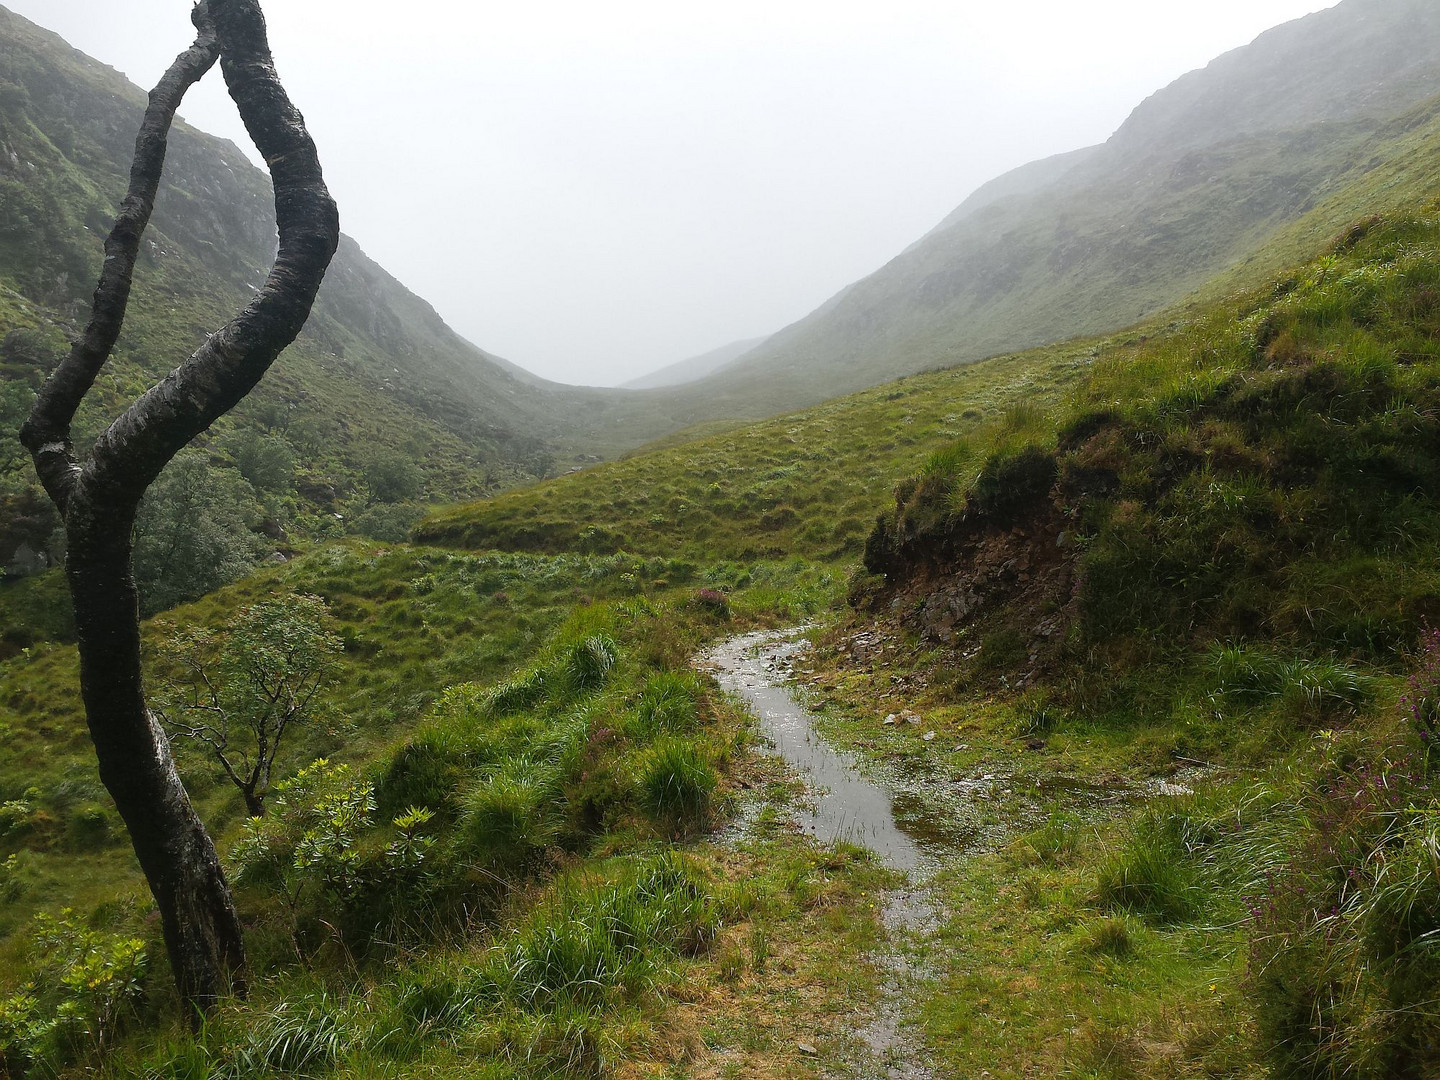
1003	583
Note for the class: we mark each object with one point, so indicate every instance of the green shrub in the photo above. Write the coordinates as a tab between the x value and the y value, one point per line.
84	986
305	850
12	879
17	817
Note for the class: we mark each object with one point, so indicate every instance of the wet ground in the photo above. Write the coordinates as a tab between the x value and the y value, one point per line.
917	812
841	804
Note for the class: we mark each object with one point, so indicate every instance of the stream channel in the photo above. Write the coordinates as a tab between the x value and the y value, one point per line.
842	805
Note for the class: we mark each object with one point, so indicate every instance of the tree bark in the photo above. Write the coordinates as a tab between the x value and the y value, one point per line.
99	499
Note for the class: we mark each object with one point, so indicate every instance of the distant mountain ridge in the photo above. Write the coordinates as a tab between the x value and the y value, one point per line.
1195	182
1199	181
696	367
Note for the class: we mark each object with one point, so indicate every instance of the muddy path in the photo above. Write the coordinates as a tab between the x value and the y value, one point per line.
841	804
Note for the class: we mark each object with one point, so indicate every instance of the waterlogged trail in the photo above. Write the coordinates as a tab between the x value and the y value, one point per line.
843	805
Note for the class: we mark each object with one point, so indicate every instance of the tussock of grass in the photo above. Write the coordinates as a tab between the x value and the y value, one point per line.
677	780
588	662
594	939
520	692
1110	936
507	819
667	705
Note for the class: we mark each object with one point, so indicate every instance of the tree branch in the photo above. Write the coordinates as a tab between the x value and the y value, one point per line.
46	433
129	455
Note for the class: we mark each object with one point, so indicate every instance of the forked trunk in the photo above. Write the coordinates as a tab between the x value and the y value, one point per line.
201	927
98	496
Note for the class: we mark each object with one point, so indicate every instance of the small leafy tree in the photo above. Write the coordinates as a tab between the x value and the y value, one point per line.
266	461
390	477
308	847
240	689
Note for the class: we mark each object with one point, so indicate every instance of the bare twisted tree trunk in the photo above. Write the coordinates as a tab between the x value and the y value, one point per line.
99	496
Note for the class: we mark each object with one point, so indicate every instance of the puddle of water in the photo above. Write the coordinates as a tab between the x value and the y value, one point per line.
844	805
919	818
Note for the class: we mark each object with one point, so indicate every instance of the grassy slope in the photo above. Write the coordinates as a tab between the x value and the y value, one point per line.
1261	472
1257	552
426	634
807	484
1195	183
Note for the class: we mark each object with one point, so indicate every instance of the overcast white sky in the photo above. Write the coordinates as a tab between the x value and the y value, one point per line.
595	190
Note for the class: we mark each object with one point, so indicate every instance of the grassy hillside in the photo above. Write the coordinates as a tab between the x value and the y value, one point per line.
516	754
1260	472
1195	560
1219	560
1179	607
808	484
1196	182
376	384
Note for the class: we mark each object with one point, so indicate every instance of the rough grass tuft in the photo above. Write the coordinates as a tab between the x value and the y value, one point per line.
588	662
677	780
